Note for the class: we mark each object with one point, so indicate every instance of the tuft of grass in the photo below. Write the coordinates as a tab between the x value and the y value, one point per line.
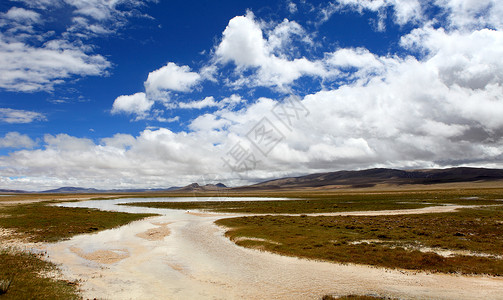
386	241
5	284
21	277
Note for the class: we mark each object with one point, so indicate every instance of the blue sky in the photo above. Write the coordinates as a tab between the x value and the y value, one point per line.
130	93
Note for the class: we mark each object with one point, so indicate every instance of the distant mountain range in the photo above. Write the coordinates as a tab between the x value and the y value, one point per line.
79	190
195	187
70	189
4	191
329	180
372	177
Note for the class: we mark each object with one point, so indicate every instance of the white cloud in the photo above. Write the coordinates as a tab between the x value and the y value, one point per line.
21	15
17	116
458	56
292	7
232	101
27	69
16	140
461	14
408	11
358	64
41	4
160	158
171	77
208	122
354	58
206	102
137	104
98	17
158	86
283	35
228	103
242	42
473	13
404	11
244	45
35	58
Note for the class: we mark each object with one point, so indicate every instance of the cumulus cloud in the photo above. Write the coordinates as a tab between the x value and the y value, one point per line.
158	86
459	57
117	161
137	104
16	140
243	43
471	14
171	77
227	102
17	116
206	102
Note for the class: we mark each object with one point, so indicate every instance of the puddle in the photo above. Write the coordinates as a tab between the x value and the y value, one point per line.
192	259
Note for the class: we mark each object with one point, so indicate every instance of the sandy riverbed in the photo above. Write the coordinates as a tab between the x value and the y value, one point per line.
190	258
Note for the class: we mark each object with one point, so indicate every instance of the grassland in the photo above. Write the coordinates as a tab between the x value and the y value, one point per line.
21	273
386	241
341	202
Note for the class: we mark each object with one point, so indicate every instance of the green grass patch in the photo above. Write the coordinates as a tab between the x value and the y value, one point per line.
39	222
21	277
392	241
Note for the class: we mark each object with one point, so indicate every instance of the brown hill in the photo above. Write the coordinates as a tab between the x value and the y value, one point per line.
372	177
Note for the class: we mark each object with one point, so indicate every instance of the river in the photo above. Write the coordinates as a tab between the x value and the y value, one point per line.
184	255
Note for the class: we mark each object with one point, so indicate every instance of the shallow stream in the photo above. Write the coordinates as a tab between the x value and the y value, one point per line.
184	255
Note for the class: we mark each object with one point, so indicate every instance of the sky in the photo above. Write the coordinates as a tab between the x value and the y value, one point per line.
115	94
